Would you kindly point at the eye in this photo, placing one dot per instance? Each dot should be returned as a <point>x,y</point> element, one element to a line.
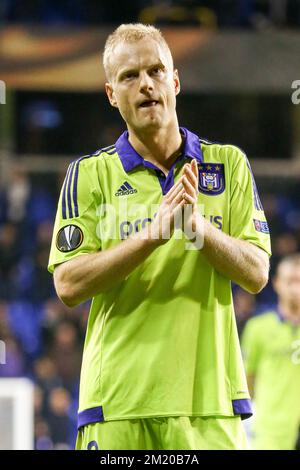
<point>156,71</point>
<point>129,75</point>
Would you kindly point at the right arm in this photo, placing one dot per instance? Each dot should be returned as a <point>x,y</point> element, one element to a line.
<point>87,275</point>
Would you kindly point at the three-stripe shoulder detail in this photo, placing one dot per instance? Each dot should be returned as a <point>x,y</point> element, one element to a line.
<point>110,150</point>
<point>257,202</point>
<point>209,142</point>
<point>70,185</point>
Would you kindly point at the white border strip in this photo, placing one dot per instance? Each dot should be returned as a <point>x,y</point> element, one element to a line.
<point>21,392</point>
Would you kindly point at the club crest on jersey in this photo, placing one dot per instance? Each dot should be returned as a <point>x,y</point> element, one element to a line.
<point>211,178</point>
<point>69,238</point>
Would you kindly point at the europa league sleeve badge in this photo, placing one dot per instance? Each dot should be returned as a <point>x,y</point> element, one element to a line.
<point>69,238</point>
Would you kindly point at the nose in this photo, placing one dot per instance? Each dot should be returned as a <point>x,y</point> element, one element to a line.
<point>146,83</point>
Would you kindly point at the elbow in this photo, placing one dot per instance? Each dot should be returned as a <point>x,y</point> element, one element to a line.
<point>69,301</point>
<point>260,281</point>
<point>65,294</point>
<point>64,290</point>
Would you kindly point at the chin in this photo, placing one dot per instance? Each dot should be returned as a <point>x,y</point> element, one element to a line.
<point>150,124</point>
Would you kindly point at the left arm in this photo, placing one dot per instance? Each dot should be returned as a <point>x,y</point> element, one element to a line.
<point>239,260</point>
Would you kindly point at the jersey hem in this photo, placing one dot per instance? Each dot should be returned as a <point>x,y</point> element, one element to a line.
<point>240,407</point>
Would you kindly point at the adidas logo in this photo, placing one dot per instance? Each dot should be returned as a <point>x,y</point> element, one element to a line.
<point>125,189</point>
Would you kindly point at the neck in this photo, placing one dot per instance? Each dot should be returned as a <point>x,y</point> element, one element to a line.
<point>289,311</point>
<point>161,147</point>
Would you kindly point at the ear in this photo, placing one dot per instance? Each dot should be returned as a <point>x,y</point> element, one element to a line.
<point>176,82</point>
<point>111,95</point>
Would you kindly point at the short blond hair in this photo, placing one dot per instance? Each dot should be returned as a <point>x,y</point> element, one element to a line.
<point>129,33</point>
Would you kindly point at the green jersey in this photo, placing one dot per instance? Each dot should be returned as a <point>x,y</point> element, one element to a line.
<point>271,349</point>
<point>163,342</point>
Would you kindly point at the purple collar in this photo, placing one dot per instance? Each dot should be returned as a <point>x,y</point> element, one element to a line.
<point>131,159</point>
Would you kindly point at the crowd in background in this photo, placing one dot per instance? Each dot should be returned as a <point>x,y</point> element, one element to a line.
<point>44,339</point>
<point>213,13</point>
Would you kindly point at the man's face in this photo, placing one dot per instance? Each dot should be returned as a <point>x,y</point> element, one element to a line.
<point>287,284</point>
<point>143,85</point>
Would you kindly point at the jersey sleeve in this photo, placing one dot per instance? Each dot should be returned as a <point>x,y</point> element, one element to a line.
<point>251,346</point>
<point>75,228</point>
<point>247,217</point>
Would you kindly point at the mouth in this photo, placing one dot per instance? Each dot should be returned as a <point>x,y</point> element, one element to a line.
<point>148,104</point>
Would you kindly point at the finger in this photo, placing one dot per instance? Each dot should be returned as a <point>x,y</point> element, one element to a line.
<point>192,177</point>
<point>185,166</point>
<point>174,194</point>
<point>189,187</point>
<point>174,190</point>
<point>177,199</point>
<point>189,199</point>
<point>194,167</point>
<point>178,208</point>
<point>175,185</point>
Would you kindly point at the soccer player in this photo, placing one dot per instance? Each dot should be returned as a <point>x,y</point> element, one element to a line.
<point>162,366</point>
<point>271,346</point>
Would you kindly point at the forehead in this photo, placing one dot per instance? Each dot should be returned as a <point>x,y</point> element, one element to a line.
<point>289,270</point>
<point>140,54</point>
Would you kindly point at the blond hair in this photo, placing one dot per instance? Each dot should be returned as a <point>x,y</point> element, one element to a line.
<point>130,33</point>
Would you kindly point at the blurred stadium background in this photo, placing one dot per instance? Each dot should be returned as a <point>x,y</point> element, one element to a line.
<point>237,61</point>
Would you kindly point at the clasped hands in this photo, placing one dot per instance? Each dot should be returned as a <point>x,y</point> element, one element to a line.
<point>179,208</point>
